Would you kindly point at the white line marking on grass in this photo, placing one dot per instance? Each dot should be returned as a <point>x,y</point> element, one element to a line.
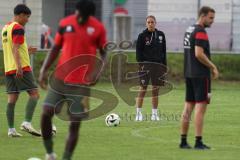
<point>228,146</point>
<point>138,133</point>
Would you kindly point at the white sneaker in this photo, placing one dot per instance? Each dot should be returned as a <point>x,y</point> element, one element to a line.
<point>155,117</point>
<point>51,156</point>
<point>54,130</point>
<point>139,116</point>
<point>13,133</point>
<point>27,127</point>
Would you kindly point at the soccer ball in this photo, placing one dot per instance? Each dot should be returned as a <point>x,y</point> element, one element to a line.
<point>112,120</point>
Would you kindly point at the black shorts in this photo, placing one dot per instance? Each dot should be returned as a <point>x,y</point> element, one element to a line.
<point>16,85</point>
<point>60,92</point>
<point>151,71</point>
<point>54,98</point>
<point>198,90</point>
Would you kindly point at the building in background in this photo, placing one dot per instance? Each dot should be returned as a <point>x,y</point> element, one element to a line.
<point>236,25</point>
<point>134,13</point>
<point>124,19</point>
<point>33,28</point>
<point>175,16</point>
<point>121,18</point>
<point>54,10</point>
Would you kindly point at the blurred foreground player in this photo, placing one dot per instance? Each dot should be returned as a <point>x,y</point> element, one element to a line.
<point>78,35</point>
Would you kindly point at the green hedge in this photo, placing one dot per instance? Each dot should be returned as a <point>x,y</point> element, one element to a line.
<point>38,59</point>
<point>228,64</point>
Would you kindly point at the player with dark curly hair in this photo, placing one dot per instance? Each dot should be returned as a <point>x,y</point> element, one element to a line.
<point>79,36</point>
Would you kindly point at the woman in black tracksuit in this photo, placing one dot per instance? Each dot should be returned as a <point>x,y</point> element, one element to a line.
<point>151,55</point>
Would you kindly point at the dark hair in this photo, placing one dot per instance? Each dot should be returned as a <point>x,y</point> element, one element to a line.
<point>151,16</point>
<point>22,8</point>
<point>85,8</point>
<point>205,10</point>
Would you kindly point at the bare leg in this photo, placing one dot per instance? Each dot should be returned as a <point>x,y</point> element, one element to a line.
<point>199,121</point>
<point>46,127</point>
<point>72,139</point>
<point>199,118</point>
<point>155,92</point>
<point>13,97</point>
<point>185,121</point>
<point>140,97</point>
<point>34,94</point>
<point>186,117</point>
<point>139,103</point>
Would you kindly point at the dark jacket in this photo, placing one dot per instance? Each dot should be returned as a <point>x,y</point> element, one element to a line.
<point>151,47</point>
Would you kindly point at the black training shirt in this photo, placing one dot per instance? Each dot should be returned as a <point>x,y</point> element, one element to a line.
<point>195,35</point>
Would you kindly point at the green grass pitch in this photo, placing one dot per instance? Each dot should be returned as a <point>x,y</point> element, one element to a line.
<point>136,141</point>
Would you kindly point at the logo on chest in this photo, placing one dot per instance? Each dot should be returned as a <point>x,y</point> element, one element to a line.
<point>147,41</point>
<point>160,39</point>
<point>90,30</point>
<point>69,29</point>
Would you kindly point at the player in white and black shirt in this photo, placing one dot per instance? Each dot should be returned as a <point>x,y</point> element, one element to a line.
<point>197,69</point>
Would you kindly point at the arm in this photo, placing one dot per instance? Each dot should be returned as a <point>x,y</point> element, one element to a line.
<point>101,45</point>
<point>19,72</point>
<point>32,50</point>
<point>103,55</point>
<point>94,76</point>
<point>50,58</point>
<point>99,67</point>
<point>199,53</point>
<point>18,39</point>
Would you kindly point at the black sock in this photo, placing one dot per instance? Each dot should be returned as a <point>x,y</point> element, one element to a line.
<point>198,139</point>
<point>183,139</point>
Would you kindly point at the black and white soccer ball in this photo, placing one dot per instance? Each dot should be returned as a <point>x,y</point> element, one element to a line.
<point>112,120</point>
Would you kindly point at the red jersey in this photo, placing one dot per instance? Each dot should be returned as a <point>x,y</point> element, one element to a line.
<point>79,45</point>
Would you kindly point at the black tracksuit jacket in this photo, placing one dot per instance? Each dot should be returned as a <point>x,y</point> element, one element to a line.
<point>151,47</point>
